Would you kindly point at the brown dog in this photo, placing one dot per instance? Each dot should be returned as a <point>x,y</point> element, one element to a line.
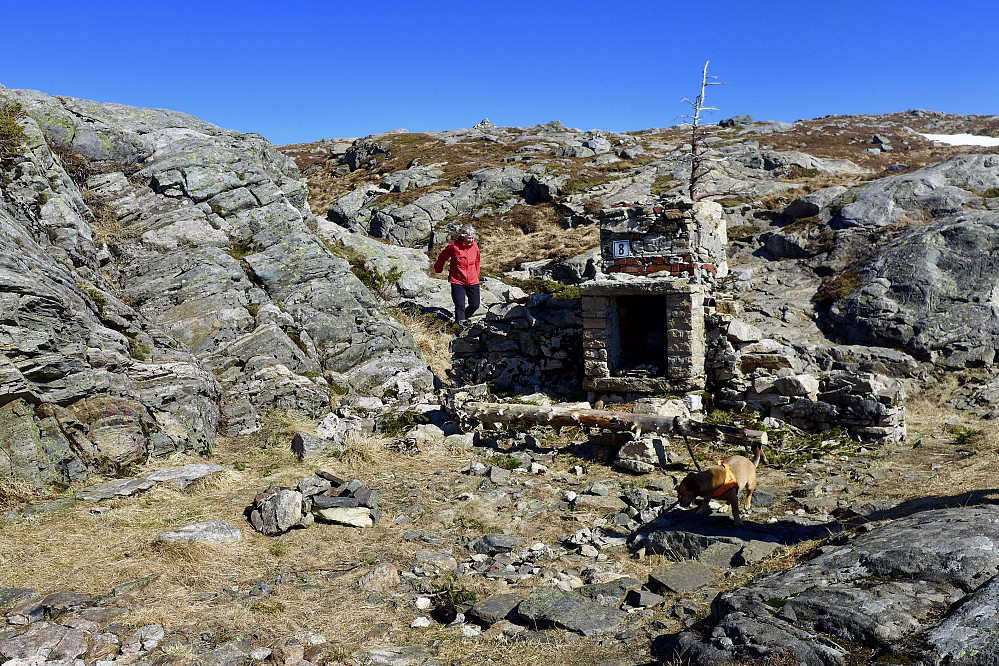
<point>722,482</point>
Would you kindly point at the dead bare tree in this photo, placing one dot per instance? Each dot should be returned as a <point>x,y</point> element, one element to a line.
<point>699,166</point>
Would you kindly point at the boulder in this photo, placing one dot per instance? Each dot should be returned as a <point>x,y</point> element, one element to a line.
<point>208,531</point>
<point>643,455</point>
<point>276,510</point>
<point>798,385</point>
<point>305,445</point>
<point>928,292</point>
<point>883,587</point>
<point>813,203</point>
<point>383,578</point>
<point>741,332</point>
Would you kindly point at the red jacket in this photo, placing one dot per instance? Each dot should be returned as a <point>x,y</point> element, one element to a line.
<point>465,260</point>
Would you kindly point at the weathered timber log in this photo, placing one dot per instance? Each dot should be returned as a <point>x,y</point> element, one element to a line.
<point>493,412</point>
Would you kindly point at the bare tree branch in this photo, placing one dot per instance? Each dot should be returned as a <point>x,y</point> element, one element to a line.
<point>698,168</point>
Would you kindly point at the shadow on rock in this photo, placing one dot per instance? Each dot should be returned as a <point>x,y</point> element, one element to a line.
<point>715,540</point>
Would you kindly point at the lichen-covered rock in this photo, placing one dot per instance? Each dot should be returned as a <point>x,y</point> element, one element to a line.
<point>876,591</point>
<point>86,381</point>
<point>929,293</point>
<point>130,301</point>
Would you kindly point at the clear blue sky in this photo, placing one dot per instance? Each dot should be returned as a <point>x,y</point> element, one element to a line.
<point>302,70</point>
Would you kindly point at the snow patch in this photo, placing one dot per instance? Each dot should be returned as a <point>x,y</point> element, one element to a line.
<point>962,139</point>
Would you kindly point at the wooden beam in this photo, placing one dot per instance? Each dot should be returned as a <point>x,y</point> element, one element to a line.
<point>494,412</point>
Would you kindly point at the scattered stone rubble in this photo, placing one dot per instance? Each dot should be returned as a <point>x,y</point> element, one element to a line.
<point>323,496</point>
<point>576,583</point>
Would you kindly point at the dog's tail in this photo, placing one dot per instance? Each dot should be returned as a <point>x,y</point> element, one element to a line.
<point>759,454</point>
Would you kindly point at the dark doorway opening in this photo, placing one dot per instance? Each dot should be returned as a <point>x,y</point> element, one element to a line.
<point>643,336</point>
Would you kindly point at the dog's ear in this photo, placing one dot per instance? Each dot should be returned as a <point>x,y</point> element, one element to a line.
<point>689,481</point>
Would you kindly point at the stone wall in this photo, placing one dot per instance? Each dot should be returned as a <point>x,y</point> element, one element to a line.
<point>523,347</point>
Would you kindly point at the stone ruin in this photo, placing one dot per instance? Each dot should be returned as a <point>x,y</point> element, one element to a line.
<point>643,317</point>
<point>650,324</point>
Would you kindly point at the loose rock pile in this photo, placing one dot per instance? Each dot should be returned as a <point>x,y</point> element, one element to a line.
<point>752,371</point>
<point>323,496</point>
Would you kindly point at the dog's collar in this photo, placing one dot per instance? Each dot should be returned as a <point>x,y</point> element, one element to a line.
<point>730,481</point>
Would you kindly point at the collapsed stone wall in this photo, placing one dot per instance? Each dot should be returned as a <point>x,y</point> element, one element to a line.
<point>747,370</point>
<point>523,347</point>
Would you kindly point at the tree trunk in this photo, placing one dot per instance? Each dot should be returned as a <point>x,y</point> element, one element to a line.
<point>491,412</point>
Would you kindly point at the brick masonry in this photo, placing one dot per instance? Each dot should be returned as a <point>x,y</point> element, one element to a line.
<point>676,238</point>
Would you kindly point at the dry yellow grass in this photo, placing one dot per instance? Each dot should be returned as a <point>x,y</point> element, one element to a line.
<point>433,338</point>
<point>506,246</point>
<point>15,492</point>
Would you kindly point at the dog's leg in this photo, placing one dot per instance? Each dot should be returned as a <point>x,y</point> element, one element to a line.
<point>704,508</point>
<point>734,503</point>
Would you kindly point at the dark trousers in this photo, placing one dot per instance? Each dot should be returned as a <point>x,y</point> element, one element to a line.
<point>459,292</point>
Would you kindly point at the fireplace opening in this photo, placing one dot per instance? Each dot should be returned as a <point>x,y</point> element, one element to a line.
<point>642,334</point>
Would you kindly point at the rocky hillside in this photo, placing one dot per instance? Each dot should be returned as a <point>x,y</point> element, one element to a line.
<point>164,279</point>
<point>167,290</point>
<point>853,238</point>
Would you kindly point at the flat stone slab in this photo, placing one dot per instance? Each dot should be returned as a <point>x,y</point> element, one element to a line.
<point>49,506</point>
<point>682,576</point>
<point>490,544</point>
<point>755,551</point>
<point>498,607</point>
<point>117,488</point>
<point>720,554</point>
<point>208,531</point>
<point>47,640</point>
<point>182,477</point>
<point>352,516</point>
<point>12,595</point>
<point>324,502</point>
<point>643,598</point>
<point>50,606</point>
<point>551,607</point>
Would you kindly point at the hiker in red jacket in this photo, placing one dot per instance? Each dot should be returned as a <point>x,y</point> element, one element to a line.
<point>463,274</point>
